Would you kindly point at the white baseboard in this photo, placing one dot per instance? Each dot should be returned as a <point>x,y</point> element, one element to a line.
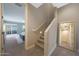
<point>52,50</point>
<point>31,46</point>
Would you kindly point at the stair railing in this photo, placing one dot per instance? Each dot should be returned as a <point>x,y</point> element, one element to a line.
<point>35,29</point>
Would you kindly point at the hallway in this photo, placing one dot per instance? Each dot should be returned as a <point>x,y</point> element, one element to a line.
<point>59,51</point>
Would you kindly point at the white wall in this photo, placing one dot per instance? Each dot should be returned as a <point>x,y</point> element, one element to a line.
<point>51,37</point>
<point>36,17</point>
<point>70,13</point>
<point>14,13</point>
<point>39,15</point>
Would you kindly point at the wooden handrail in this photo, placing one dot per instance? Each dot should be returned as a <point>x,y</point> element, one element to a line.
<point>38,27</point>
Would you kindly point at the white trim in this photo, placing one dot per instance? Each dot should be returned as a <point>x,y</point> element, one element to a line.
<point>50,25</point>
<point>52,50</point>
<point>16,21</point>
<point>35,29</point>
<point>53,23</point>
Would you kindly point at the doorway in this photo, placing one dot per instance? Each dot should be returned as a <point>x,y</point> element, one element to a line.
<point>13,27</point>
<point>67,35</point>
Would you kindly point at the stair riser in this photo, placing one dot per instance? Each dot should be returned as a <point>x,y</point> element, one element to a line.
<point>40,40</point>
<point>41,37</point>
<point>40,45</point>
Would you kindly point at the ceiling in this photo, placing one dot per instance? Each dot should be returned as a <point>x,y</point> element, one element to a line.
<point>13,12</point>
<point>37,5</point>
<point>58,5</point>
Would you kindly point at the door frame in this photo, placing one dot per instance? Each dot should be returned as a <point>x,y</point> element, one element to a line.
<point>3,49</point>
<point>74,36</point>
<point>2,34</point>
